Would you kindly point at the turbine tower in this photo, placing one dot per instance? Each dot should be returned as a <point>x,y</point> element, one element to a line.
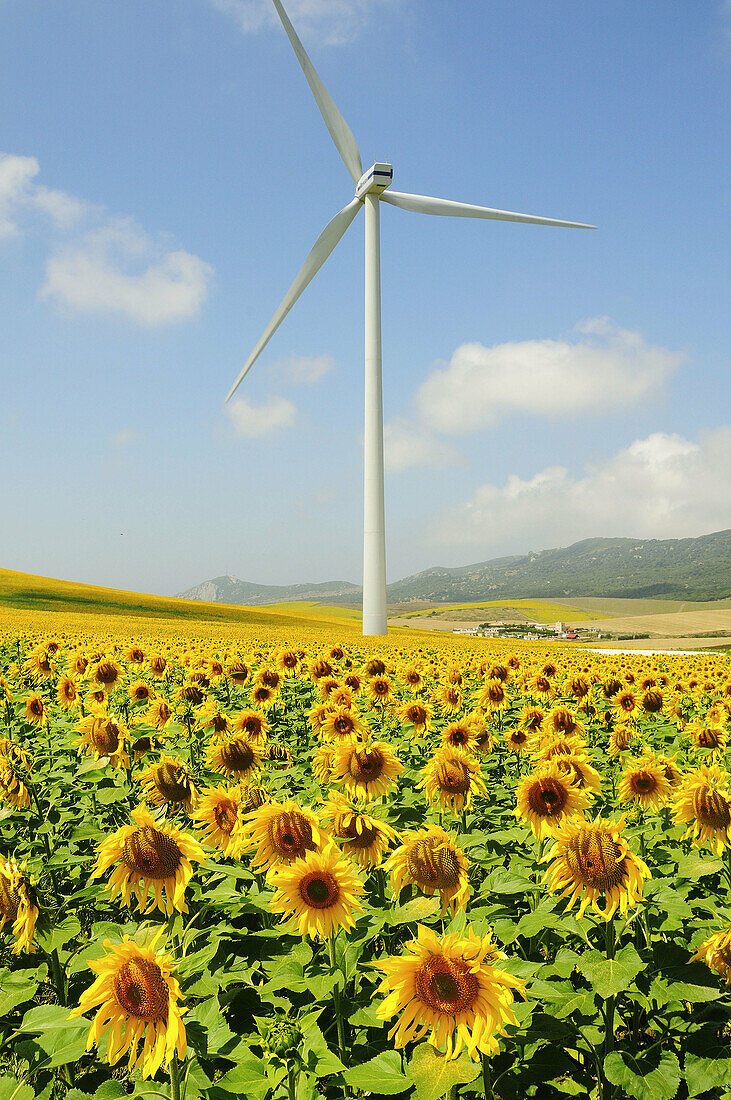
<point>371,188</point>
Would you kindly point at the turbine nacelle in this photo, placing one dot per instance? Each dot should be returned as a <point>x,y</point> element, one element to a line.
<point>375,180</point>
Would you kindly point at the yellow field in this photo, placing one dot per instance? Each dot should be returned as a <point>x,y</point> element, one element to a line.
<point>543,611</point>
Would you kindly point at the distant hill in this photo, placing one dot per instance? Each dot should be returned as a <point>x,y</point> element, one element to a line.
<point>232,590</point>
<point>679,569</point>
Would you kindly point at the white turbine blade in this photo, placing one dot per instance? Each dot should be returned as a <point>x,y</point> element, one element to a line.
<point>340,132</point>
<point>423,204</point>
<point>317,255</point>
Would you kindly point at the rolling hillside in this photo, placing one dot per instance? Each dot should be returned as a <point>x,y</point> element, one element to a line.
<point>671,569</point>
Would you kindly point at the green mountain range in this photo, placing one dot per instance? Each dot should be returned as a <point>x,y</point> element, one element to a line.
<point>684,569</point>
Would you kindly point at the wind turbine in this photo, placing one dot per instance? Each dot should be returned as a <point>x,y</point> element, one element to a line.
<point>371,188</point>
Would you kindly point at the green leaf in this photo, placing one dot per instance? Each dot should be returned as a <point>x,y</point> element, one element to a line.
<point>641,1078</point>
<point>434,1076</point>
<point>61,1040</point>
<point>248,1078</point>
<point>320,1059</point>
<point>16,989</point>
<point>10,1087</point>
<point>215,1031</point>
<point>697,865</point>
<point>664,992</point>
<point>417,909</point>
<point>59,935</point>
<point>704,1074</point>
<point>382,1075</point>
<point>109,1090</point>
<point>608,977</point>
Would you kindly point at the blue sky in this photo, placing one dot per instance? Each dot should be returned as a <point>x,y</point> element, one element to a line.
<point>163,173</point>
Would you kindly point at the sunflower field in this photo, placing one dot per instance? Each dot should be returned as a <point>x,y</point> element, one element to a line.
<point>292,865</point>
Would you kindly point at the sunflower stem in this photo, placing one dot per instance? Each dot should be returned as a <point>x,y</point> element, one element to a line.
<point>337,1002</point>
<point>486,1083</point>
<point>175,1078</point>
<point>292,1082</point>
<point>610,944</point>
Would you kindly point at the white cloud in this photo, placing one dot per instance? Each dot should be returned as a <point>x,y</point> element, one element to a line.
<point>306,369</point>
<point>605,369</point>
<point>118,269</point>
<point>21,198</point>
<point>663,486</point>
<point>97,263</point>
<point>408,445</point>
<point>253,421</point>
<point>330,22</point>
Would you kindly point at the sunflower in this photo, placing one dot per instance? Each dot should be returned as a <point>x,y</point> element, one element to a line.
<point>133,655</point>
<point>67,695</point>
<point>460,735</point>
<point>366,769</point>
<point>644,782</point>
<point>672,772</point>
<point>105,674</point>
<point>430,860</point>
<point>715,952</point>
<point>158,714</point>
<point>532,719</point>
<point>452,986</point>
<point>39,664</point>
<point>169,782</point>
<point>17,906</point>
<point>449,699</point>
<point>144,744</point>
<point>149,856</point>
<point>414,680</point>
<point>279,832</point>
<point>210,715</point>
<point>707,735</point>
<point>625,701</point>
<point>453,777</point>
<point>541,686</point>
<point>547,798</point>
<point>287,661</point>
<point>141,692</point>
<point>102,735</point>
<point>238,672</point>
<point>620,738</point>
<point>591,858</point>
<point>492,696</point>
<point>252,725</point>
<point>363,838</point>
<point>137,998</point>
<point>342,723</point>
<point>379,690</point>
<point>263,696</point>
<point>318,893</point>
<point>652,701</point>
<point>219,815</point>
<point>15,753</point>
<point>419,715</point>
<point>269,677</point>
<point>582,772</point>
<point>35,710</point>
<point>341,698</point>
<point>327,686</point>
<point>12,787</point>
<point>322,763</point>
<point>158,665</point>
<point>235,756</point>
<point>704,800</point>
<point>353,683</point>
<point>518,739</point>
<point>562,722</point>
